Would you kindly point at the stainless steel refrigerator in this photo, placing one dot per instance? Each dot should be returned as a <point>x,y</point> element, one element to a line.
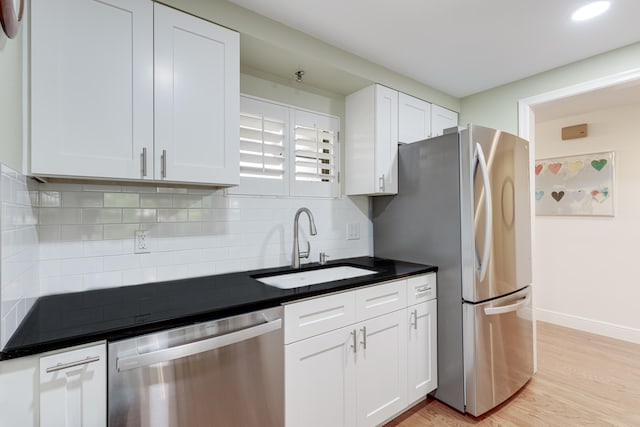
<point>463,204</point>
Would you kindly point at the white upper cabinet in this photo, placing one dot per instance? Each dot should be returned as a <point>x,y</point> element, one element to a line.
<point>91,87</point>
<point>95,112</point>
<point>197,101</point>
<point>372,141</point>
<point>414,119</point>
<point>441,119</point>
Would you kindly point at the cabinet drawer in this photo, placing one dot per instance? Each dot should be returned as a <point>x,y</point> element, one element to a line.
<point>312,317</point>
<point>421,288</point>
<point>381,299</point>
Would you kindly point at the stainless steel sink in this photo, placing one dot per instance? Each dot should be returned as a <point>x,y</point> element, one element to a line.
<point>313,277</point>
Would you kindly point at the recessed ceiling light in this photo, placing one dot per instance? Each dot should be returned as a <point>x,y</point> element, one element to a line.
<point>591,10</point>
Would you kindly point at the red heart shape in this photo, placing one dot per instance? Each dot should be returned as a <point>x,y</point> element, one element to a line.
<point>538,169</point>
<point>554,167</point>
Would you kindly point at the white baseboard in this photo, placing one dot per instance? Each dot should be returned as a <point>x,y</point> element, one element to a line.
<point>611,330</point>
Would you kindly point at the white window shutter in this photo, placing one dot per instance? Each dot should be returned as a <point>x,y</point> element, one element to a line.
<point>263,148</point>
<point>315,154</point>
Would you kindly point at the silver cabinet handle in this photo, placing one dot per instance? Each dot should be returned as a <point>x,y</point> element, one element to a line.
<point>491,311</point>
<point>364,337</point>
<point>413,319</point>
<point>143,161</point>
<point>163,164</point>
<point>167,354</point>
<point>488,212</point>
<point>61,366</point>
<point>354,345</point>
<point>423,289</point>
<point>381,183</point>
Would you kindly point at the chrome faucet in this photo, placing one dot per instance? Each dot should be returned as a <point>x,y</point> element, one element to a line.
<point>295,262</point>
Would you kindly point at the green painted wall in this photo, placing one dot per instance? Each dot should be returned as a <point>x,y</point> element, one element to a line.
<point>499,107</point>
<point>11,101</point>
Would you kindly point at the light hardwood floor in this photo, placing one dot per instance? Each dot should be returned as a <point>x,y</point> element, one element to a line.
<point>582,380</point>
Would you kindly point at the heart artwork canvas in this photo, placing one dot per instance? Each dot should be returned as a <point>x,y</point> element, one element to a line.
<point>575,185</point>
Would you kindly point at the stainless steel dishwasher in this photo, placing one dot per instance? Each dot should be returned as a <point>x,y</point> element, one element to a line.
<point>228,372</point>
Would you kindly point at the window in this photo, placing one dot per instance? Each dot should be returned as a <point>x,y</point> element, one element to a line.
<point>287,151</point>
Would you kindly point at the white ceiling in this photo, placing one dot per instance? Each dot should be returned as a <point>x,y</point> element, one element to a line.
<point>460,47</point>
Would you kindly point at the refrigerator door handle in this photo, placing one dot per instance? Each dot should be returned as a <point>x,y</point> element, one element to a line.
<point>490,311</point>
<point>488,211</point>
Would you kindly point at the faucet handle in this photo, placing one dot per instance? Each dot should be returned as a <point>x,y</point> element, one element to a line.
<point>307,252</point>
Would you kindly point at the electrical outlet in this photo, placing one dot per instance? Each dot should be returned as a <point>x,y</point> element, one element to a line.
<point>141,242</point>
<point>353,231</point>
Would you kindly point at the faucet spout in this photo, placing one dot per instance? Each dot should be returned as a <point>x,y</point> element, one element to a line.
<point>295,262</point>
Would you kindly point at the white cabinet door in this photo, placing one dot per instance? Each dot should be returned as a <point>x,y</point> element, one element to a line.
<point>19,392</point>
<point>441,119</point>
<point>371,143</point>
<point>73,388</point>
<point>386,146</point>
<point>197,99</point>
<point>422,350</point>
<point>381,368</point>
<point>414,119</point>
<point>320,383</point>
<point>91,87</point>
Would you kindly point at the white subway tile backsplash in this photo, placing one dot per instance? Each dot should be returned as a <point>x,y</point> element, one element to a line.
<point>49,233</point>
<point>139,215</point>
<point>156,201</point>
<point>101,216</point>
<point>60,250</point>
<point>106,247</point>
<point>123,262</point>
<point>84,265</point>
<point>50,199</point>
<point>60,216</point>
<point>85,199</point>
<point>120,231</point>
<point>201,215</point>
<point>121,200</point>
<point>107,279</point>
<point>173,215</point>
<point>81,232</point>
<point>141,275</point>
<point>187,201</point>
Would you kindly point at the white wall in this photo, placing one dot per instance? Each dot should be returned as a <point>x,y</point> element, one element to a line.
<point>586,267</point>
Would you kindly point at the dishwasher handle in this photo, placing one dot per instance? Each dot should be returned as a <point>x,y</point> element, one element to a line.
<point>167,354</point>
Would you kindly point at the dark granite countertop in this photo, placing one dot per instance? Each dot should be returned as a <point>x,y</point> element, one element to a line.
<point>59,321</point>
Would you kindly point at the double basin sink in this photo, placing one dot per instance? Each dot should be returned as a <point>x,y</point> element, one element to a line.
<point>313,277</point>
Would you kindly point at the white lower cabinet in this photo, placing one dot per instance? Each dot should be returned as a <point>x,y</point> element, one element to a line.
<point>73,388</point>
<point>359,365</point>
<point>381,368</point>
<point>320,384</point>
<point>422,350</point>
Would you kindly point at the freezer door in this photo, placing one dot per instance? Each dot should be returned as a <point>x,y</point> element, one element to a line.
<point>501,217</point>
<point>498,341</point>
